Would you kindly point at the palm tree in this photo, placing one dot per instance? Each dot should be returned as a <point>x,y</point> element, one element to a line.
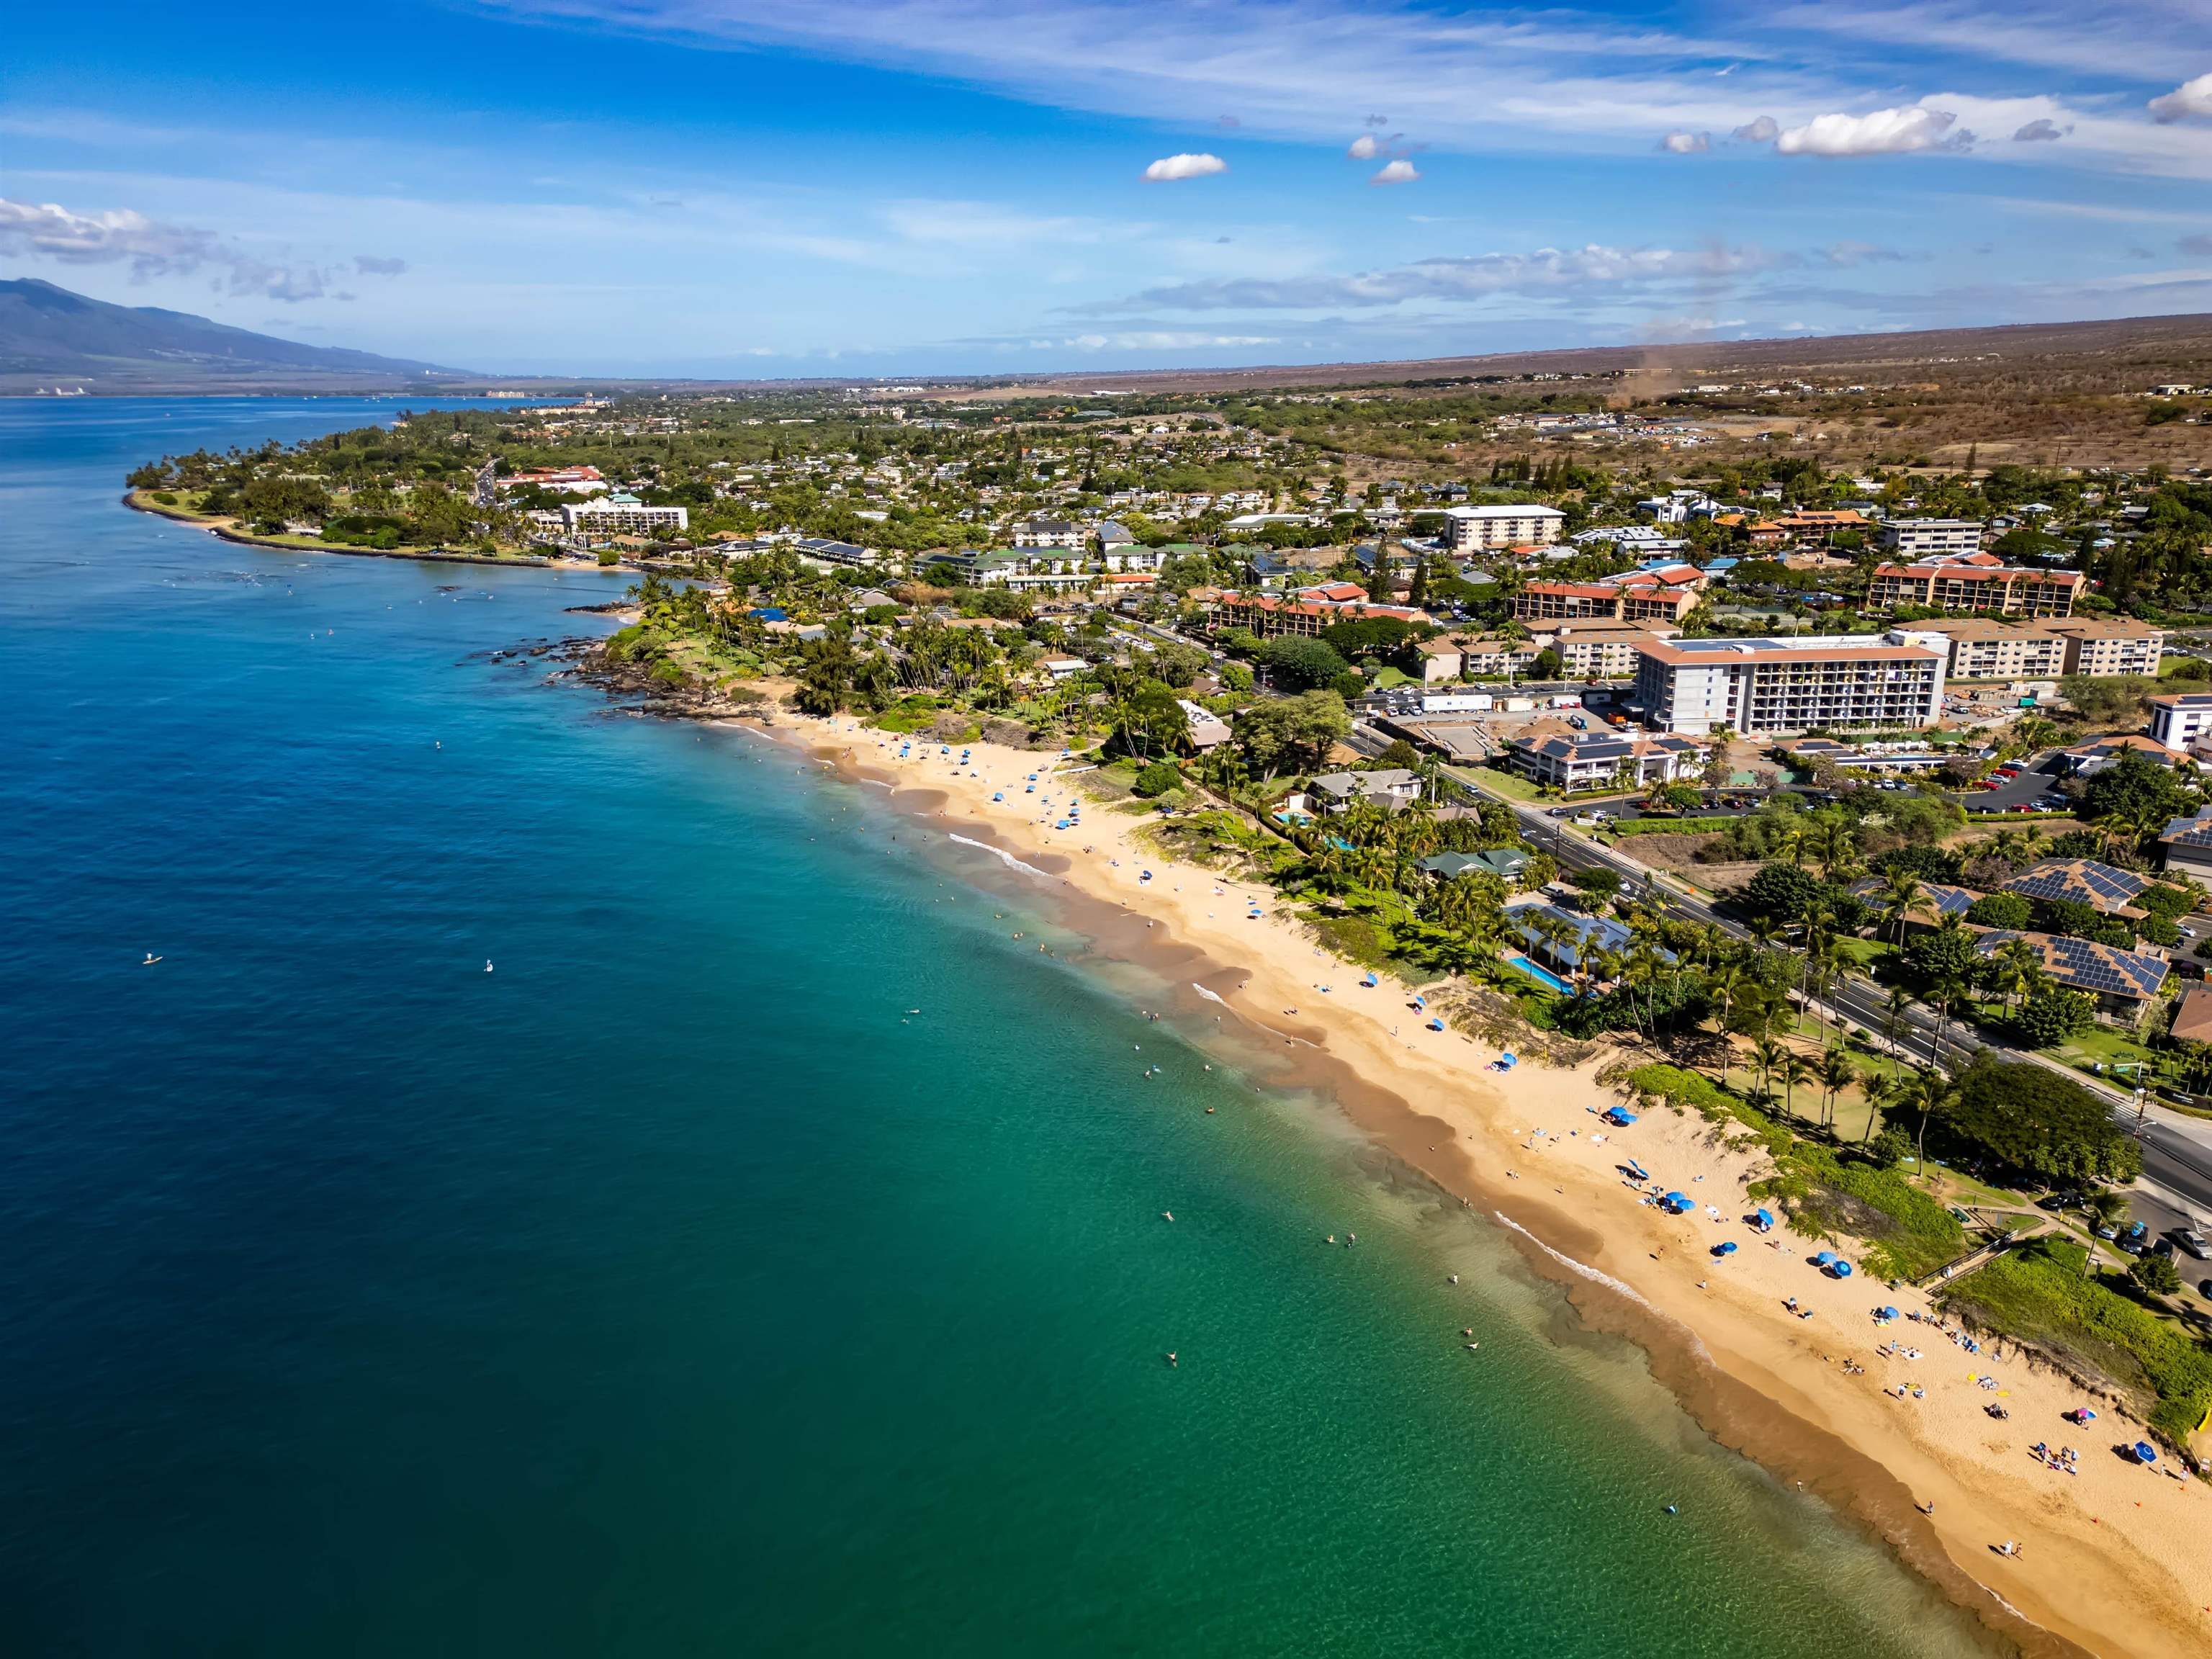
<point>1901,895</point>
<point>2106,1207</point>
<point>1931,1091</point>
<point>1795,1069</point>
<point>1881,1089</point>
<point>1836,1074</point>
<point>1766,1055</point>
<point>2019,969</point>
<point>1893,1007</point>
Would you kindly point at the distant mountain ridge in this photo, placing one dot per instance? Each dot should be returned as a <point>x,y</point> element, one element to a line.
<point>52,338</point>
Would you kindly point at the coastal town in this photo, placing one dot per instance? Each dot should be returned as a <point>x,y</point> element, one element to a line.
<point>1853,813</point>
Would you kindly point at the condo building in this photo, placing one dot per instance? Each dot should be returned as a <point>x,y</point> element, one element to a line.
<point>1974,581</point>
<point>1839,683</point>
<point>1476,529</point>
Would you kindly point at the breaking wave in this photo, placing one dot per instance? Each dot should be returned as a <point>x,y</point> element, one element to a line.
<point>1007,858</point>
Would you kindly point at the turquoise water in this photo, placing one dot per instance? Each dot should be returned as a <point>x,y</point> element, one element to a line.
<point>670,1289</point>
<point>1541,973</point>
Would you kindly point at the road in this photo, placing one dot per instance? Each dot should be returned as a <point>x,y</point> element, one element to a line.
<point>2177,1163</point>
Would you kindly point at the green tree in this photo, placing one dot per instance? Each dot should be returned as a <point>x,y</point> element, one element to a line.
<point>1291,733</point>
<point>1157,779</point>
<point>1300,665</point>
<point>2134,790</point>
<point>2156,1275</point>
<point>2027,1118</point>
<point>2050,1014</point>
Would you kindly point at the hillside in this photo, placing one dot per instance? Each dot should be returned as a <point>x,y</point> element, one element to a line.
<point>50,336</point>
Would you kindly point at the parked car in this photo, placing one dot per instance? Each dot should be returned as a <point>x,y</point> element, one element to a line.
<point>2193,1242</point>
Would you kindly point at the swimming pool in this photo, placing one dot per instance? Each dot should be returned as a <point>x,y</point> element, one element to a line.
<point>1542,975</point>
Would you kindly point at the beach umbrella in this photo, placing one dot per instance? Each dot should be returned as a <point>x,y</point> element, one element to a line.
<point>1436,1025</point>
<point>1763,1220</point>
<point>1673,1200</point>
<point>1843,1268</point>
<point>1638,1170</point>
<point>1823,1258</point>
<point>2145,1452</point>
<point>1889,1312</point>
<point>1727,1247</point>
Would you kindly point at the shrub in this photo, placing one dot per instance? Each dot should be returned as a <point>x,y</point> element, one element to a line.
<point>2006,910</point>
<point>2156,1275</point>
<point>2050,1014</point>
<point>1157,779</point>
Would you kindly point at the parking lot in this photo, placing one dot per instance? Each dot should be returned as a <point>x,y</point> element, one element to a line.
<point>2024,793</point>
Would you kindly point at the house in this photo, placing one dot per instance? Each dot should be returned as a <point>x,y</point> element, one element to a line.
<point>1937,899</point>
<point>2187,844</point>
<point>1582,936</point>
<point>1569,760</point>
<point>2120,980</point>
<point>1112,534</point>
<point>1391,788</point>
<point>2086,759</point>
<point>2081,881</point>
<point>1206,729</point>
<point>1063,668</point>
<point>1505,862</point>
<point>2193,1016</point>
<point>2177,721</point>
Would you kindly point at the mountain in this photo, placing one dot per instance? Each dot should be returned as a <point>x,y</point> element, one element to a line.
<point>50,336</point>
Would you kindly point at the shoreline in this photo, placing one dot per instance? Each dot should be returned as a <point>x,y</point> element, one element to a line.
<point>226,530</point>
<point>1767,1386</point>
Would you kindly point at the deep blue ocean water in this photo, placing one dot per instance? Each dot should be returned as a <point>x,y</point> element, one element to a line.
<point>668,1291</point>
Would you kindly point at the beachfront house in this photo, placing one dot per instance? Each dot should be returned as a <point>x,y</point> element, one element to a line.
<point>1505,862</point>
<point>1391,788</point>
<point>1564,940</point>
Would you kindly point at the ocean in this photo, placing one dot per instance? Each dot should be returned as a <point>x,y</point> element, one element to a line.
<point>518,1214</point>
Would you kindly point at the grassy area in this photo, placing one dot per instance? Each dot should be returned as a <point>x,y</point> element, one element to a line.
<point>1670,826</point>
<point>2102,1045</point>
<point>1511,784</point>
<point>2038,1294</point>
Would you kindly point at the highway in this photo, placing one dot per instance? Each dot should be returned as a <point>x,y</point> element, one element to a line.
<point>2171,1159</point>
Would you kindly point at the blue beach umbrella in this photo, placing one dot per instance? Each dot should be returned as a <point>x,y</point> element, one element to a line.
<point>1436,1025</point>
<point>2145,1452</point>
<point>1763,1220</point>
<point>1726,1247</point>
<point>1841,1268</point>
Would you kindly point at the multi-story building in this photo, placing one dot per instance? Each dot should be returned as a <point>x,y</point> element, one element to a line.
<point>2104,646</point>
<point>1472,529</point>
<point>1982,648</point>
<point>1605,650</point>
<point>622,514</point>
<point>1836,682</point>
<point>1049,532</point>
<point>1924,538</point>
<point>1637,597</point>
<point>1569,760</point>
<point>1974,581</point>
<point>2178,721</point>
<point>1266,615</point>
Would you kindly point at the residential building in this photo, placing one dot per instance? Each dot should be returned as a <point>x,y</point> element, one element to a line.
<point>1049,532</point>
<point>1063,668</point>
<point>1805,751</point>
<point>2177,722</point>
<point>1112,535</point>
<point>2120,980</point>
<point>1569,760</point>
<point>2105,647</point>
<point>1921,538</point>
<point>1819,529</point>
<point>1469,529</point>
<point>1586,936</point>
<point>623,514</point>
<point>1266,615</point>
<point>1795,684</point>
<point>2187,844</point>
<point>1976,581</point>
<point>1506,863</point>
<point>1605,650</point>
<point>1391,788</point>
<point>1206,729</point>
<point>1937,899</point>
<point>1494,658</point>
<point>833,552</point>
<point>2078,881</point>
<point>1637,596</point>
<point>1980,648</point>
<point>2193,1016</point>
<point>1440,658</point>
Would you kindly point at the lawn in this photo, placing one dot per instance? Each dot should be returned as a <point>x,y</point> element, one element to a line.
<point>1511,784</point>
<point>2102,1045</point>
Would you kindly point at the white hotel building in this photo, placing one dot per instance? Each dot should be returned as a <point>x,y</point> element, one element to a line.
<point>1480,529</point>
<point>1838,682</point>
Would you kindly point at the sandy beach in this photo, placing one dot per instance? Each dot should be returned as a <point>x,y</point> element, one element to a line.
<point>2114,1560</point>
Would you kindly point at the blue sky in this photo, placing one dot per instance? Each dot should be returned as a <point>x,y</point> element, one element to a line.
<point>765,187</point>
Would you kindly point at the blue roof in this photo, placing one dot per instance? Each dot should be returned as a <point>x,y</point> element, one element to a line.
<point>1591,932</point>
<point>2082,880</point>
<point>768,613</point>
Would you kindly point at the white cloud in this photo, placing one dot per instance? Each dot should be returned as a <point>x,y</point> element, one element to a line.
<point>1364,147</point>
<point>2190,98</point>
<point>1546,270</point>
<point>47,230</point>
<point>1882,132</point>
<point>1399,172</point>
<point>1169,168</point>
<point>1686,143</point>
<point>1760,130</point>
